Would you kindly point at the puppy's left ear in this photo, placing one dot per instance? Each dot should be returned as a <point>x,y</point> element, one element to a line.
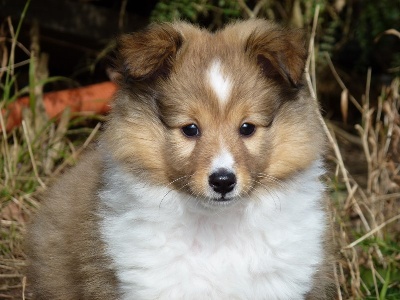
<point>148,53</point>
<point>280,53</point>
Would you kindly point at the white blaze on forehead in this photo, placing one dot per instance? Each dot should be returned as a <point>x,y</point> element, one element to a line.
<point>220,83</point>
<point>224,160</point>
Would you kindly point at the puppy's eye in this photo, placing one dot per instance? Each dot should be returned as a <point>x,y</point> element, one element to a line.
<point>247,129</point>
<point>191,130</point>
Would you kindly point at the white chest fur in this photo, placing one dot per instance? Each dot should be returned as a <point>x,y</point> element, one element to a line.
<point>165,246</point>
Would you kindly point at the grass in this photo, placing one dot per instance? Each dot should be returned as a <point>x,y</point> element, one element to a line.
<point>367,211</point>
<point>30,156</point>
<point>364,207</point>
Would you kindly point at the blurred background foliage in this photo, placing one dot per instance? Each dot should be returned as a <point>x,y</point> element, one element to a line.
<point>348,29</point>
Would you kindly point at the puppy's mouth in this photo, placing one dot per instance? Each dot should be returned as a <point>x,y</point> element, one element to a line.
<point>222,201</point>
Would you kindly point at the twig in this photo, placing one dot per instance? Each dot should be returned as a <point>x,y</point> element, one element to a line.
<point>374,276</point>
<point>19,64</point>
<point>350,195</point>
<point>337,282</point>
<point>311,47</point>
<point>379,112</point>
<point>339,80</point>
<point>122,12</point>
<point>23,287</point>
<point>364,138</point>
<point>391,116</point>
<point>258,6</point>
<point>19,44</point>
<point>247,10</point>
<point>55,141</point>
<point>354,139</point>
<point>368,87</point>
<point>252,13</point>
<point>91,136</point>
<point>13,44</point>
<point>25,130</point>
<point>7,165</point>
<point>389,31</point>
<point>386,197</point>
<point>365,236</point>
<point>78,152</point>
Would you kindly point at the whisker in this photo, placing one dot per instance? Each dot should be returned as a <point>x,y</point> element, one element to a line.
<point>172,182</point>
<point>170,190</point>
<point>271,193</point>
<point>283,184</point>
<point>179,178</point>
<point>272,179</point>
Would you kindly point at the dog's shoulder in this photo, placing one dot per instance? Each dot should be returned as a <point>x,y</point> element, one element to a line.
<point>67,256</point>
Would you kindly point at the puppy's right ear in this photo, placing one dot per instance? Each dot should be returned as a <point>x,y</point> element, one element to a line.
<point>148,53</point>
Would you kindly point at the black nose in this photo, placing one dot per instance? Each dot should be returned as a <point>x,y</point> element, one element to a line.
<point>222,181</point>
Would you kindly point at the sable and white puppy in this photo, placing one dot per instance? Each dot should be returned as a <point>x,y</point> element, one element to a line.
<point>205,182</point>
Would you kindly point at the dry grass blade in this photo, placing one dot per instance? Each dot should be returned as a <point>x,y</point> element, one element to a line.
<point>75,155</point>
<point>341,83</point>
<point>31,154</point>
<point>344,105</point>
<point>376,229</point>
<point>251,14</point>
<point>23,287</point>
<point>388,32</point>
<point>56,141</point>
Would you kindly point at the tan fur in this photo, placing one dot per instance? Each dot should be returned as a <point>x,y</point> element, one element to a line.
<point>67,256</point>
<point>162,89</point>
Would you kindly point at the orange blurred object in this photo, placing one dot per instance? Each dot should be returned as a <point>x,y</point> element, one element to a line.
<point>91,99</point>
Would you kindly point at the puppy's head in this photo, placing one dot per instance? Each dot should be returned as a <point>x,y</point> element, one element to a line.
<point>216,115</point>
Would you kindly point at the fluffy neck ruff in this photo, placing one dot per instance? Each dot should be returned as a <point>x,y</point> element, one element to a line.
<point>166,245</point>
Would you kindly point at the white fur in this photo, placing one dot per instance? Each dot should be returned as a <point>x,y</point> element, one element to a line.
<point>224,160</point>
<point>219,82</point>
<point>168,245</point>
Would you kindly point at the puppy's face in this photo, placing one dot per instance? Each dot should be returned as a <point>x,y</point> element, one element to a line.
<point>218,115</point>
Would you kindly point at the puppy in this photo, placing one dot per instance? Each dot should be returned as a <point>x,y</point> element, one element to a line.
<point>205,182</point>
